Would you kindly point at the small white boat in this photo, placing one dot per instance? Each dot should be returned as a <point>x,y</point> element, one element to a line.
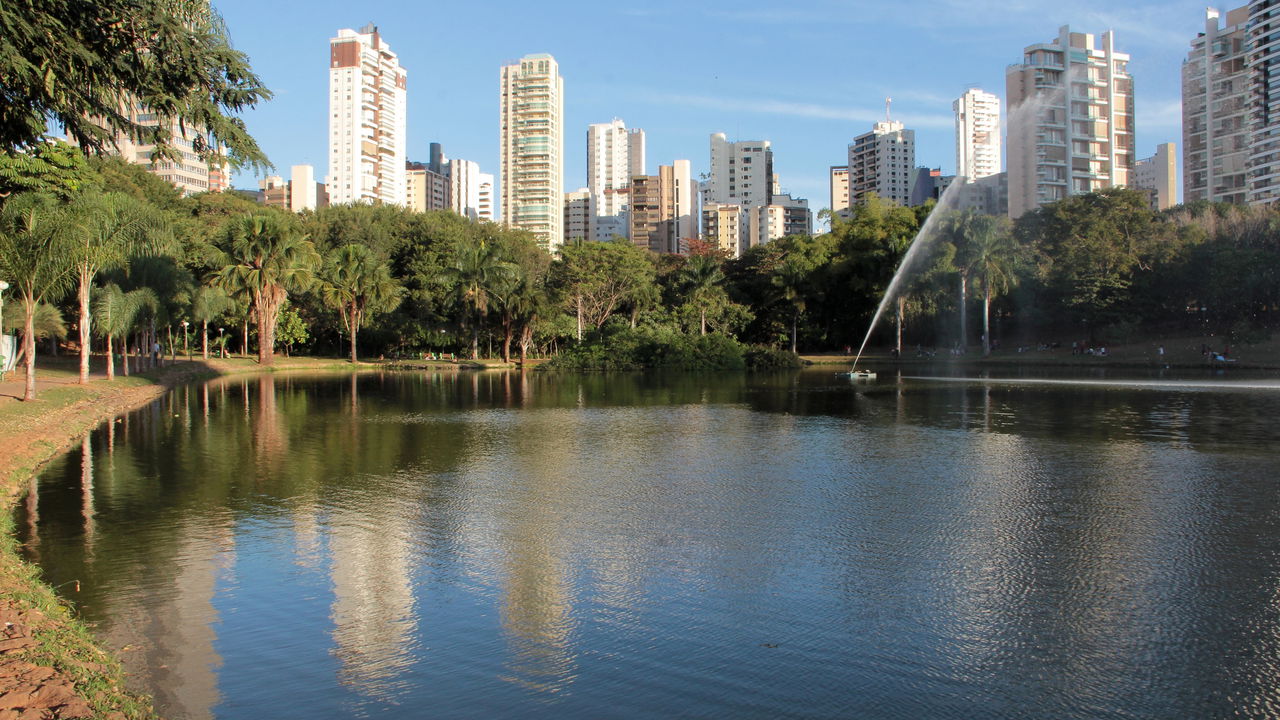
<point>858,375</point>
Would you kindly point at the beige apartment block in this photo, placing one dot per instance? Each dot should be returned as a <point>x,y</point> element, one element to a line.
<point>577,215</point>
<point>722,226</point>
<point>367,120</point>
<point>663,215</point>
<point>425,189</point>
<point>1070,120</point>
<point>1157,176</point>
<point>531,126</point>
<point>188,172</point>
<point>839,180</point>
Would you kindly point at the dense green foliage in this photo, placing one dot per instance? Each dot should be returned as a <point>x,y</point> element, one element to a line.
<point>83,62</point>
<point>387,282</point>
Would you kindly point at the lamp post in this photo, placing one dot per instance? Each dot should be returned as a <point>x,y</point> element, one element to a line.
<point>185,349</point>
<point>221,348</point>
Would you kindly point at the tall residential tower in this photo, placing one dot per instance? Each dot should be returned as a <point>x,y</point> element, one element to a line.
<point>367,125</point>
<point>532,152</point>
<point>614,156</point>
<point>1070,120</point>
<point>977,134</point>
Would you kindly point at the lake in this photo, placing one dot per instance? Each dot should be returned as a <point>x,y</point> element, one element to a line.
<point>506,545</point>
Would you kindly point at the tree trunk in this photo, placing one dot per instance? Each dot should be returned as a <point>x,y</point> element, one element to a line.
<point>703,319</point>
<point>964,318</point>
<point>204,339</point>
<point>475,337</point>
<point>111,361</point>
<point>29,346</point>
<point>267,308</point>
<point>795,320</point>
<point>507,332</point>
<point>579,318</point>
<point>124,354</point>
<point>353,339</point>
<point>244,339</point>
<point>986,323</point>
<point>84,326</point>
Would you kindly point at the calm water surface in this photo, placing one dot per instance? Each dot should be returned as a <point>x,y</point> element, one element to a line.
<point>796,545</point>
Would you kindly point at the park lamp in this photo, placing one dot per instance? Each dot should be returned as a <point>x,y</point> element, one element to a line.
<point>3,286</point>
<point>185,350</point>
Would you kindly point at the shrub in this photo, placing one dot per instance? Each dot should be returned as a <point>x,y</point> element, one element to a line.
<point>762,357</point>
<point>653,347</point>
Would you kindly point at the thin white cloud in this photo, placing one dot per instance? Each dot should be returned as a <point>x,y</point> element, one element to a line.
<point>797,109</point>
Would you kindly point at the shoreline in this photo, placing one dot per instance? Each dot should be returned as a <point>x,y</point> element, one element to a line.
<point>51,665</point>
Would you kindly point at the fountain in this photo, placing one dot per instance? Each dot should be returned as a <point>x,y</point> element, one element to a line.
<point>925,236</point>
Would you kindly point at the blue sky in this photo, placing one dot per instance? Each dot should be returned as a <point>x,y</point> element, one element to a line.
<point>806,75</point>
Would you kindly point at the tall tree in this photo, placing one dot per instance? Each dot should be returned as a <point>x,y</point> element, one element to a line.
<point>105,230</point>
<point>993,259</point>
<point>358,285</point>
<point>115,313</point>
<point>701,277</point>
<point>36,260</point>
<point>269,259</point>
<point>471,275</point>
<point>596,278</point>
<point>206,305</point>
<point>82,63</point>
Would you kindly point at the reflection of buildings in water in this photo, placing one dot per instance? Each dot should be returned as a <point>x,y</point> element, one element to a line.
<point>373,614</point>
<point>168,631</point>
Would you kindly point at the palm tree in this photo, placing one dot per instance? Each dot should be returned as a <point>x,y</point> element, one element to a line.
<point>359,286</point>
<point>36,260</point>
<point>115,314</point>
<point>701,277</point>
<point>206,305</point>
<point>471,275</point>
<point>993,260</point>
<point>791,279</point>
<point>269,259</point>
<point>105,229</point>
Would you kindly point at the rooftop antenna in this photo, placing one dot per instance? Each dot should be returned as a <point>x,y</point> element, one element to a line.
<point>887,101</point>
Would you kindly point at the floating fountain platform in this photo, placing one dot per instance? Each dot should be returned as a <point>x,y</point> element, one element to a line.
<point>858,375</point>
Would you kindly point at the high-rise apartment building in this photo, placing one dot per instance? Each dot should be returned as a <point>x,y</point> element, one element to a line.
<point>464,187</point>
<point>1264,120</point>
<point>839,176</point>
<point>1157,177</point>
<point>367,119</point>
<point>785,216</point>
<point>614,156</point>
<point>532,153</point>
<point>882,162</point>
<point>1217,96</point>
<point>577,215</point>
<point>977,134</point>
<point>1070,121</point>
<point>426,189</point>
<point>664,215</point>
<point>722,227</point>
<point>188,171</point>
<point>741,172</point>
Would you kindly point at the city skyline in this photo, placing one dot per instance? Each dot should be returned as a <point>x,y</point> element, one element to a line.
<point>805,107</point>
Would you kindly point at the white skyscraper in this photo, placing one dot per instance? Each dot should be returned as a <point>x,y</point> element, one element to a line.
<point>741,172</point>
<point>367,127</point>
<point>532,153</point>
<point>464,187</point>
<point>977,134</point>
<point>614,155</point>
